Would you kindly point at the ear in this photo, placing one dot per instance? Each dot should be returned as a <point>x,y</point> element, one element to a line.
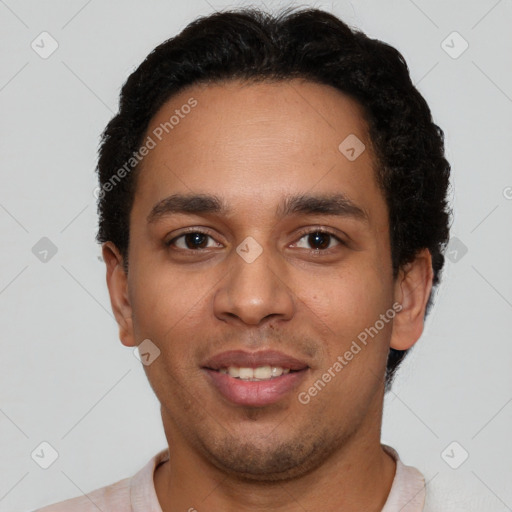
<point>117,283</point>
<point>412,290</point>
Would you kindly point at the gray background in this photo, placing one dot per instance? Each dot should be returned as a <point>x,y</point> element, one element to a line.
<point>67,380</point>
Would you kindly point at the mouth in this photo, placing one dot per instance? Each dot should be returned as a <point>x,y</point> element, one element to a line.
<point>254,379</point>
<point>255,374</point>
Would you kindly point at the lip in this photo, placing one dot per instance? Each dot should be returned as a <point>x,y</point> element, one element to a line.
<point>254,393</point>
<point>244,359</point>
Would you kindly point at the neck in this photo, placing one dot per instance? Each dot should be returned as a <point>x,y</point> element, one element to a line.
<point>358,476</point>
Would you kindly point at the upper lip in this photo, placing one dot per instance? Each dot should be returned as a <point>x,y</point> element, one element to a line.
<point>244,359</point>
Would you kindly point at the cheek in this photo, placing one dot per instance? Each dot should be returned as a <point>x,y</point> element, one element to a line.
<point>165,304</point>
<point>349,302</point>
<point>355,294</point>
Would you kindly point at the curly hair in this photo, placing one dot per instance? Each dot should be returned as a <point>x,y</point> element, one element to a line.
<point>251,45</point>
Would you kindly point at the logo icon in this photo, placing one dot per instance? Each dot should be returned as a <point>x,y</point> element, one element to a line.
<point>146,352</point>
<point>456,249</point>
<point>454,455</point>
<point>454,45</point>
<point>44,250</point>
<point>249,249</point>
<point>44,455</point>
<point>351,147</point>
<point>44,45</point>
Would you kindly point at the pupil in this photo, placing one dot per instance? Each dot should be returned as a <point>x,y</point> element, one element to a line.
<point>194,240</point>
<point>315,237</point>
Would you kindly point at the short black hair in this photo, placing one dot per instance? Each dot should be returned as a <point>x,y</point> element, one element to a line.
<point>249,44</point>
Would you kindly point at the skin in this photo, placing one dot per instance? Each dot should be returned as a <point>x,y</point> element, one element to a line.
<point>252,145</point>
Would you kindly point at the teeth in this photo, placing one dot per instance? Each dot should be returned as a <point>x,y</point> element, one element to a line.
<point>255,374</point>
<point>277,371</point>
<point>246,373</point>
<point>234,371</point>
<point>263,372</point>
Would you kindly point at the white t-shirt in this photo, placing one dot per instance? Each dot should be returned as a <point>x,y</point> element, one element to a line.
<point>137,493</point>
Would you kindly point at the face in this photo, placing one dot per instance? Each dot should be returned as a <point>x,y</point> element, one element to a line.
<point>255,290</point>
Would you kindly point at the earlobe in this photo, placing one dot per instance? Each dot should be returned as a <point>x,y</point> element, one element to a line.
<point>412,291</point>
<point>117,283</point>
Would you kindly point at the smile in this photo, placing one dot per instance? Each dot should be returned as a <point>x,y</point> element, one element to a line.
<point>254,379</point>
<point>255,374</point>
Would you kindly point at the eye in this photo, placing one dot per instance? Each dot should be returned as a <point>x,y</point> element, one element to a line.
<point>319,239</point>
<point>316,240</point>
<point>192,240</point>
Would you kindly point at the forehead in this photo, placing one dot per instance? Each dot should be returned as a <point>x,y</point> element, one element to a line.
<point>236,138</point>
<point>296,112</point>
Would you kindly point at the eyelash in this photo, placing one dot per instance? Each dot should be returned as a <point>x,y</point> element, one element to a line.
<point>301,234</point>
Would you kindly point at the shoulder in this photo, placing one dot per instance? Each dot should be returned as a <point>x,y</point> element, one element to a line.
<point>450,491</point>
<point>445,491</point>
<point>118,496</point>
<point>115,496</point>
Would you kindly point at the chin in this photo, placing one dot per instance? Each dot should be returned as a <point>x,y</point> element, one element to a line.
<point>270,462</point>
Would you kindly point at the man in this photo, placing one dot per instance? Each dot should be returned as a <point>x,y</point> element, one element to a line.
<point>273,214</point>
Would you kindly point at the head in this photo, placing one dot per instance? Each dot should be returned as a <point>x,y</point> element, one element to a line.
<point>239,127</point>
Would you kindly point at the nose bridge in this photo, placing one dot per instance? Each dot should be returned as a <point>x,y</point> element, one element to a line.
<point>254,289</point>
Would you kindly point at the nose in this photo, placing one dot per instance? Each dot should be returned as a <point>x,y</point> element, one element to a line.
<point>254,291</point>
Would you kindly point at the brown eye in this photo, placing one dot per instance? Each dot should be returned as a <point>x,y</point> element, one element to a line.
<point>319,240</point>
<point>194,240</point>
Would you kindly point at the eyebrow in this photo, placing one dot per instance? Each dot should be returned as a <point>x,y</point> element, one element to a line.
<point>305,204</point>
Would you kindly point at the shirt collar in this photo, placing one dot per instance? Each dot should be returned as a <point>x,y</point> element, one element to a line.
<point>407,492</point>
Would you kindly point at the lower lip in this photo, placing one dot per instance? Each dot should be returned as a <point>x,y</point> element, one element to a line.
<point>255,393</point>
